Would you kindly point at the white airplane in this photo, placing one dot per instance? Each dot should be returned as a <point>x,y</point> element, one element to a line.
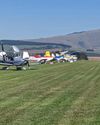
<point>38,59</point>
<point>65,57</point>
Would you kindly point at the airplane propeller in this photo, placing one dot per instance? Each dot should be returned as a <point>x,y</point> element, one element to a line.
<point>2,47</point>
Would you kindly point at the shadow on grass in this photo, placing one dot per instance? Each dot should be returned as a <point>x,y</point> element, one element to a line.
<point>14,69</point>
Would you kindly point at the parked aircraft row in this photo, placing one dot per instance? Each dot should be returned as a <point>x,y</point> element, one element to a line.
<point>48,56</point>
<point>20,62</point>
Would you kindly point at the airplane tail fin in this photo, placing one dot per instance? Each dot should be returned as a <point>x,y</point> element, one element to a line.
<point>25,55</point>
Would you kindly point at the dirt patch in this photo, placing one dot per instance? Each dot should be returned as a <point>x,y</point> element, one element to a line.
<point>94,58</point>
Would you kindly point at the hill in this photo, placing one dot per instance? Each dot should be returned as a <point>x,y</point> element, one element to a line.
<point>84,39</point>
<point>77,40</point>
<point>34,44</point>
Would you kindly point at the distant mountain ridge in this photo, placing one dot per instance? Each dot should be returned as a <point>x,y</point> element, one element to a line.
<point>83,40</point>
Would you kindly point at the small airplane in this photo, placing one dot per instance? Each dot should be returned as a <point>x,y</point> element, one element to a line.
<point>6,61</point>
<point>37,58</point>
<point>65,57</point>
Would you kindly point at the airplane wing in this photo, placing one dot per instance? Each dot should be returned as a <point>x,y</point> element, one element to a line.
<point>6,64</point>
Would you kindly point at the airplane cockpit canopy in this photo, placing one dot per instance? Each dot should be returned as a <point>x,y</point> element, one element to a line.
<point>12,51</point>
<point>15,49</point>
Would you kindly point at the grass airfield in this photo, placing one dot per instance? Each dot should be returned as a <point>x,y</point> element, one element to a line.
<point>58,94</point>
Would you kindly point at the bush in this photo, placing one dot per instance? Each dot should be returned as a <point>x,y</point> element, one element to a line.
<point>80,55</point>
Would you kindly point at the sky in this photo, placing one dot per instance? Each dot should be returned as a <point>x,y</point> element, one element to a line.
<point>31,19</point>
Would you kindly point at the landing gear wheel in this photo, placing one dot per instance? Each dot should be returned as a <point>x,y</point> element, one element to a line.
<point>62,60</point>
<point>43,61</point>
<point>18,68</point>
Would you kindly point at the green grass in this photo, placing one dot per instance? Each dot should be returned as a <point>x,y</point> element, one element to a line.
<point>59,94</point>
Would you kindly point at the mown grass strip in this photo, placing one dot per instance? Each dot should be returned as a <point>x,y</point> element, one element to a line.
<point>62,94</point>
